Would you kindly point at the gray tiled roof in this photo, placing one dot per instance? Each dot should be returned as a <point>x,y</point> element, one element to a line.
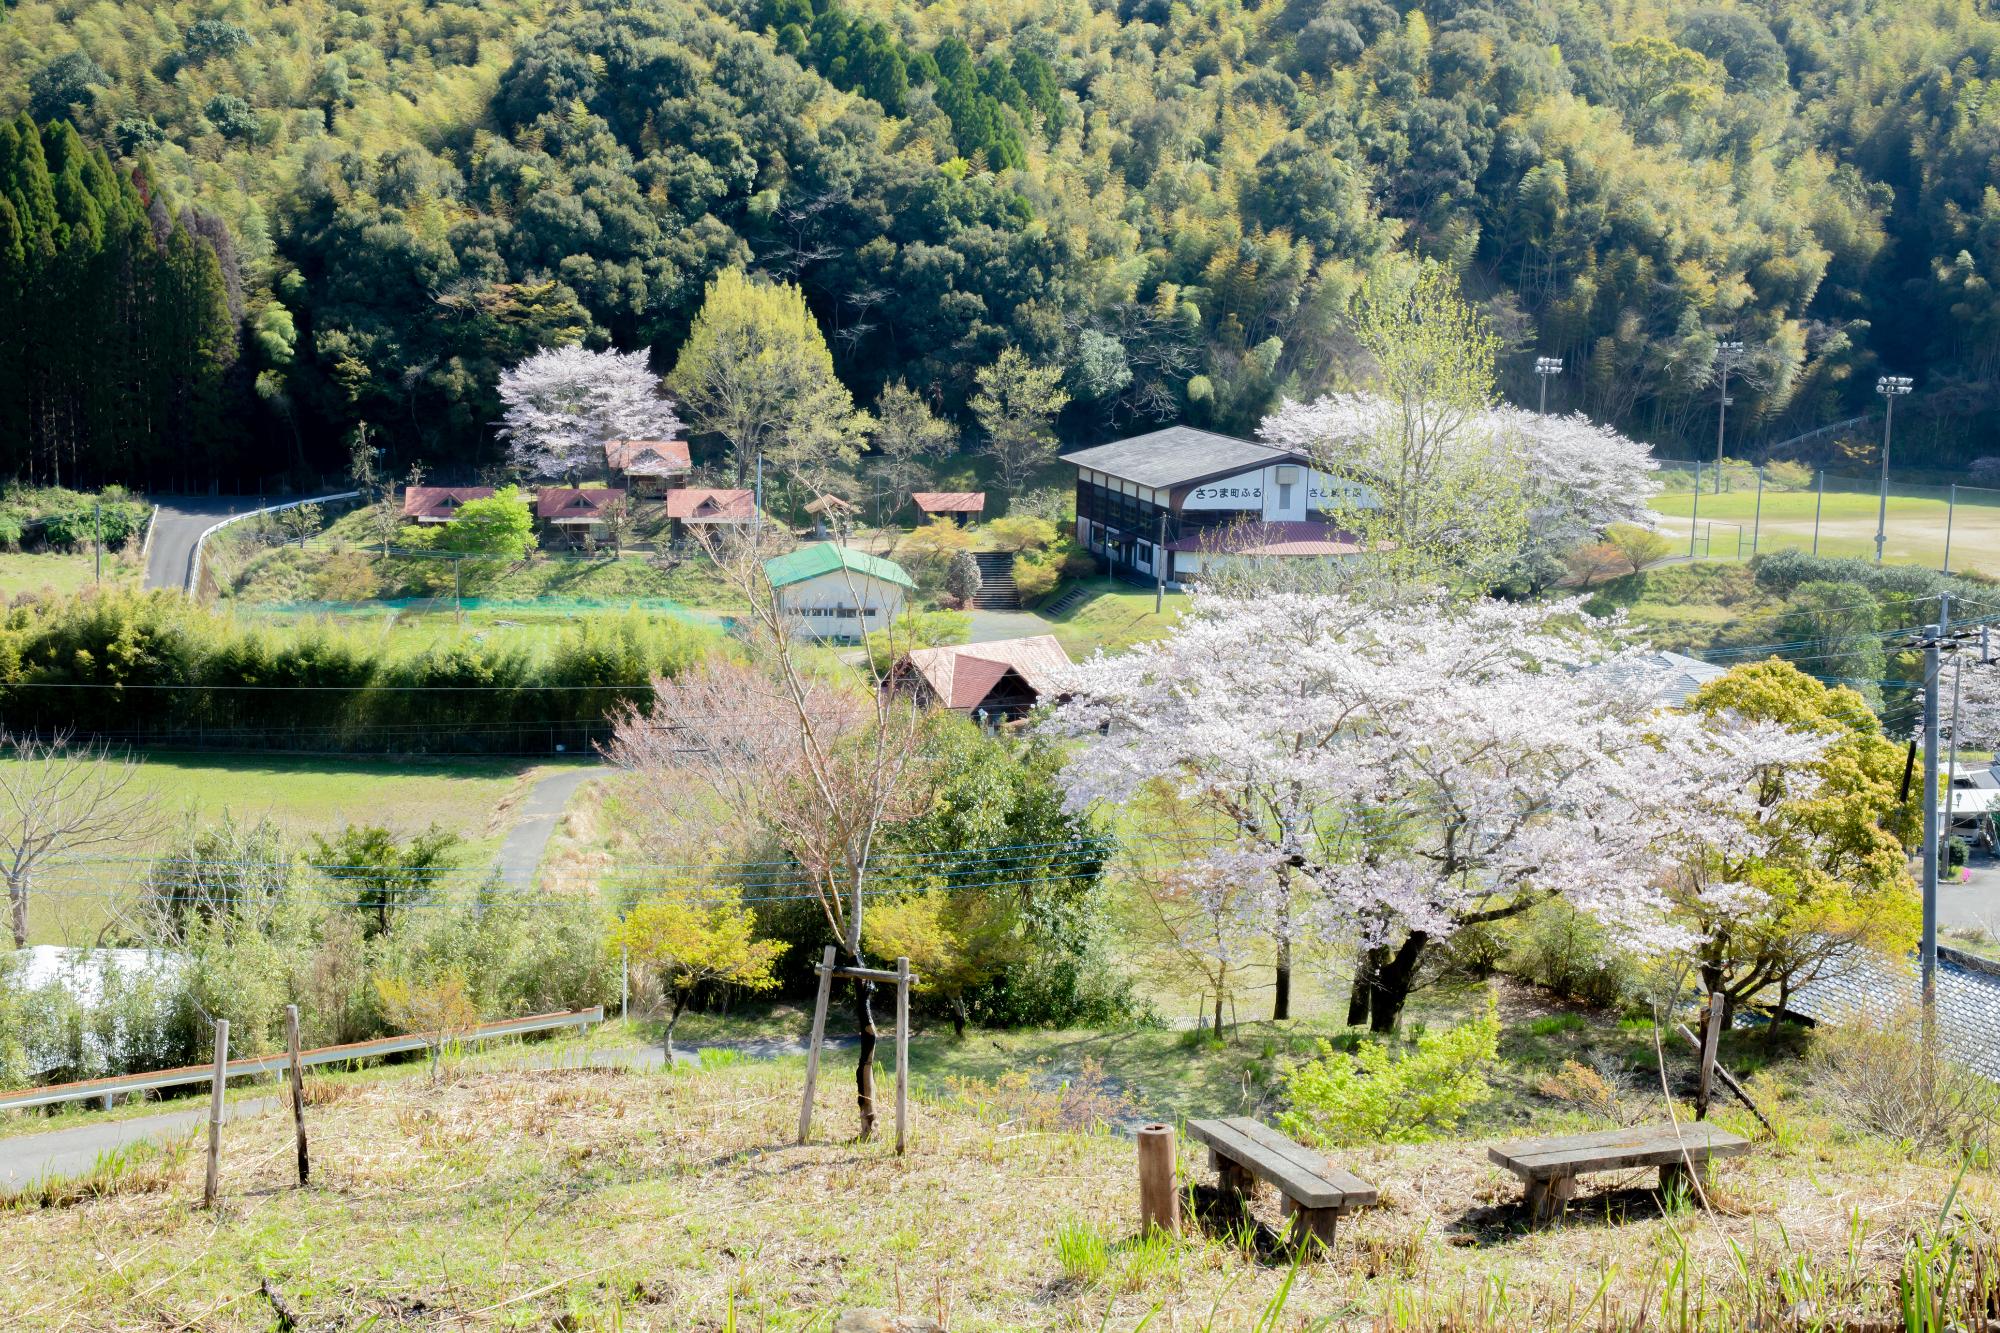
<point>1178,456</point>
<point>1864,987</point>
<point>1672,677</point>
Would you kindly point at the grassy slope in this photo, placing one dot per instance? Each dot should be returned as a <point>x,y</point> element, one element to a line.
<point>597,1200</point>
<point>1915,529</point>
<point>475,798</point>
<point>1117,616</point>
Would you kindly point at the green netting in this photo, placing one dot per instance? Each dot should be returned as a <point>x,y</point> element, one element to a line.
<point>448,605</point>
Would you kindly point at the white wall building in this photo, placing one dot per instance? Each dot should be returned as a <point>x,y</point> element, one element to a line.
<point>830,591</point>
<point>1183,501</point>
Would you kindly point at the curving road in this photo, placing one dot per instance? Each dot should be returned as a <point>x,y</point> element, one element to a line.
<point>181,522</point>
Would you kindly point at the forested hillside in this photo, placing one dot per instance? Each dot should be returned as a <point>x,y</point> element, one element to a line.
<point>1173,202</point>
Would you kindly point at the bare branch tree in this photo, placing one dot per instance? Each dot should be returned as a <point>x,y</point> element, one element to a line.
<point>823,764</point>
<point>57,798</point>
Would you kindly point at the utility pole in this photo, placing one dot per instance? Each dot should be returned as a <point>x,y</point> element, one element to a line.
<point>1934,643</point>
<point>98,507</point>
<point>1891,387</point>
<point>1160,566</point>
<point>1726,356</point>
<point>1547,367</point>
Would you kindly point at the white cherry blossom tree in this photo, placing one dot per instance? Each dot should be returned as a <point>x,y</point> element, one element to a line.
<point>1974,686</point>
<point>565,403</point>
<point>1392,774</point>
<point>1484,492</point>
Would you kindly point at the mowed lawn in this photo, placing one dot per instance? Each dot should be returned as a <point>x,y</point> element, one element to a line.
<point>477,799</point>
<point>1915,529</point>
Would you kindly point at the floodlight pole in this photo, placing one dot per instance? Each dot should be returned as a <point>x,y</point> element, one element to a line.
<point>1725,356</point>
<point>1546,368</point>
<point>1891,387</point>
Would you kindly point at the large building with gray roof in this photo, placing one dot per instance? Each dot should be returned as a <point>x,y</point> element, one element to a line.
<point>1174,503</point>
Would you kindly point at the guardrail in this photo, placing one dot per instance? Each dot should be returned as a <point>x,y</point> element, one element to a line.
<point>194,559</point>
<point>55,1093</point>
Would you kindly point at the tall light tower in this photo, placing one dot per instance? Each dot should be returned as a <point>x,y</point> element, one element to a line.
<point>1547,367</point>
<point>1891,387</point>
<point>1728,355</point>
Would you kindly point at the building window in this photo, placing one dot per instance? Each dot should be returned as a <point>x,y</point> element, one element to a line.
<point>1284,495</point>
<point>1145,554</point>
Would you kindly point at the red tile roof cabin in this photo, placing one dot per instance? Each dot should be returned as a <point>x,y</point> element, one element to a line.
<point>648,458</point>
<point>950,502</point>
<point>585,504</point>
<point>439,504</point>
<point>705,504</point>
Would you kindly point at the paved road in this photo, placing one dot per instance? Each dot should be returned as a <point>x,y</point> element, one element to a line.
<point>521,855</point>
<point>181,522</point>
<point>70,1152</point>
<point>1976,902</point>
<point>989,626</point>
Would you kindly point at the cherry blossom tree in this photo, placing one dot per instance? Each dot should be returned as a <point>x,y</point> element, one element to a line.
<point>565,403</point>
<point>1486,491</point>
<point>1974,686</point>
<point>1392,774</point>
<point>771,746</point>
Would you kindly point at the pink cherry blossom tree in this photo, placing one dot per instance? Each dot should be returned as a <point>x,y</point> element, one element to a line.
<point>1389,775</point>
<point>563,404</point>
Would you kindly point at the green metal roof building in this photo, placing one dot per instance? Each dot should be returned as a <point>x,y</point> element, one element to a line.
<point>810,562</point>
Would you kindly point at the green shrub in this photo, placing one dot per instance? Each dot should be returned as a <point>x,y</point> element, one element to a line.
<point>1020,532</point>
<point>350,689</point>
<point>1570,953</point>
<point>69,519</point>
<point>1035,578</point>
<point>1385,1094</point>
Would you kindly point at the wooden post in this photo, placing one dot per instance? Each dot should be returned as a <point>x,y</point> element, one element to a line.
<point>1159,1201</point>
<point>812,1047</point>
<point>1711,1040</point>
<point>902,1054</point>
<point>298,1090</point>
<point>217,1082</point>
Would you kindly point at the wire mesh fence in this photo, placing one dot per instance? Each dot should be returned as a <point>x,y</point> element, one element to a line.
<point>1742,510</point>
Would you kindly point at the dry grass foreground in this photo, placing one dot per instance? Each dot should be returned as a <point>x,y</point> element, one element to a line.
<point>582,1199</point>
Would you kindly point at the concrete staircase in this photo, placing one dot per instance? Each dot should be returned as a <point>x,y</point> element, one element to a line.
<point>996,582</point>
<point>1077,595</point>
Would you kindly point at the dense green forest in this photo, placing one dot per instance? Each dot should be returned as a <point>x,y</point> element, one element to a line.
<point>1173,201</point>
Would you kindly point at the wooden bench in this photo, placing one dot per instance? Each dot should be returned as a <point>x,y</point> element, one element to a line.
<point>1549,1167</point>
<point>1316,1192</point>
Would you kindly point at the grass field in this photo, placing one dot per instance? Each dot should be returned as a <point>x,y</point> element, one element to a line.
<point>474,798</point>
<point>1915,529</point>
<point>59,572</point>
<point>605,1200</point>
